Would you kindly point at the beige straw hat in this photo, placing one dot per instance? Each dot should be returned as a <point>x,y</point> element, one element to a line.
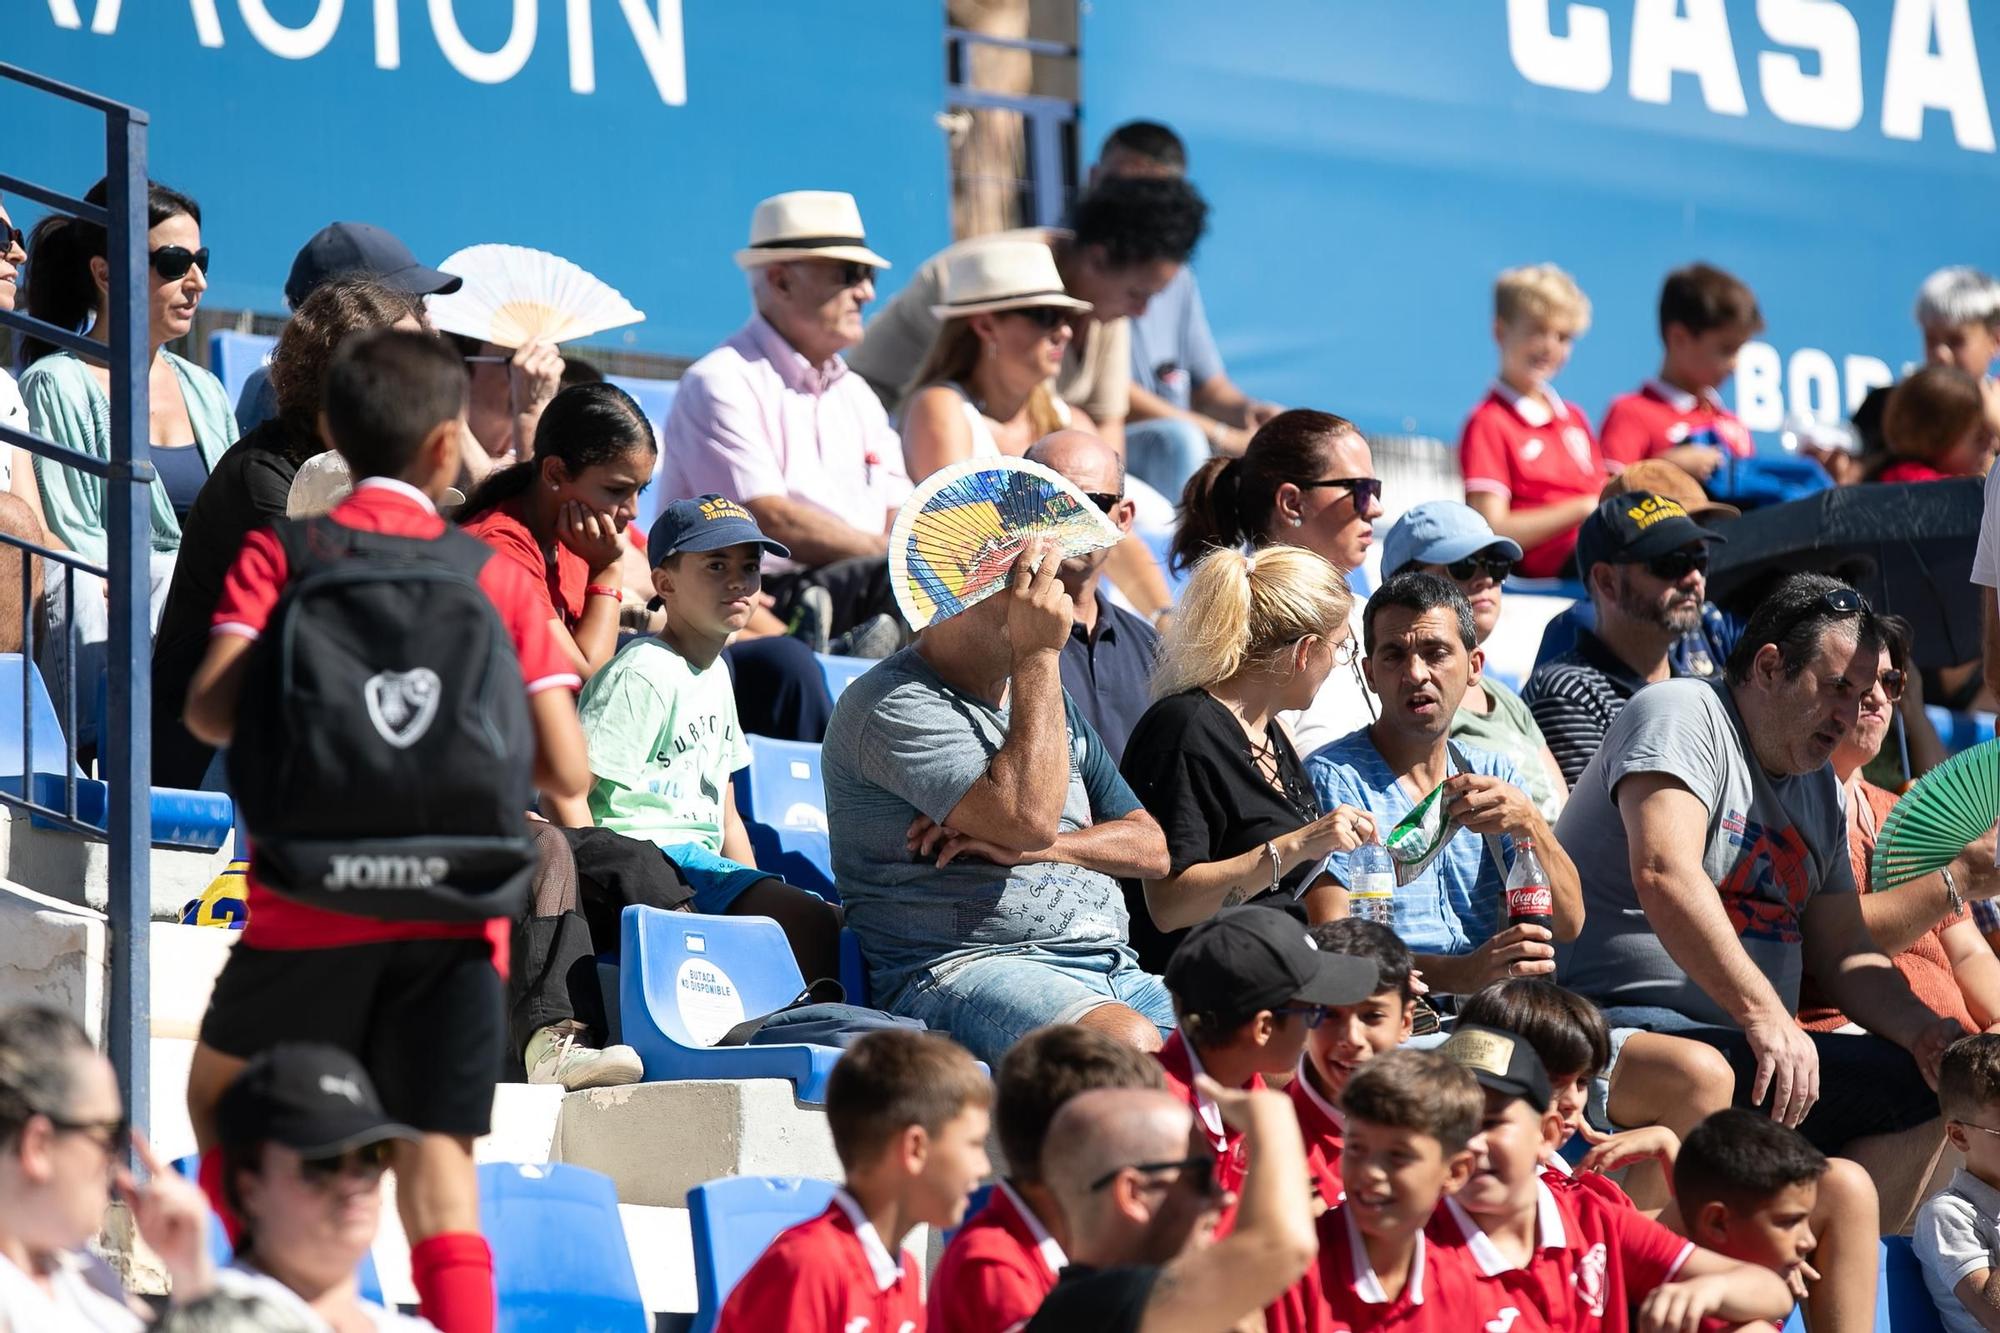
<point>1011,274</point>
<point>807,224</point>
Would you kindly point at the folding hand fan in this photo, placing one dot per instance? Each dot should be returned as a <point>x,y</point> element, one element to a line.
<point>1952,805</point>
<point>514,296</point>
<point>956,537</point>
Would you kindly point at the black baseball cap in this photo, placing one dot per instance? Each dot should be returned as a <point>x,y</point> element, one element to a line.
<point>343,248</point>
<point>707,524</point>
<point>1249,958</point>
<point>1502,1061</point>
<point>315,1099</point>
<point>1634,527</point>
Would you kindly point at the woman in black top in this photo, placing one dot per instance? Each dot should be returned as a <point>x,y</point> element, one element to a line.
<point>246,491</point>
<point>1254,636</point>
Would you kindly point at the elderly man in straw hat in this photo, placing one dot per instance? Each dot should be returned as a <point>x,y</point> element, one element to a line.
<point>773,419</point>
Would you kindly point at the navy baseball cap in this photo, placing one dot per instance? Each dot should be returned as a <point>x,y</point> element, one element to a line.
<point>341,249</point>
<point>1634,527</point>
<point>707,524</point>
<point>1438,532</point>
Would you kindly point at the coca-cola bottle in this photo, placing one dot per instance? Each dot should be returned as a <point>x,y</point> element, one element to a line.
<point>1530,900</point>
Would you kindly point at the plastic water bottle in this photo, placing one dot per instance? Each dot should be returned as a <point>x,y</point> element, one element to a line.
<point>1372,887</point>
<point>1530,900</point>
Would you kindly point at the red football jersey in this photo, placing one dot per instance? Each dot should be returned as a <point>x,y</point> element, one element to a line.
<point>1592,1261</point>
<point>1181,1064</point>
<point>996,1270</point>
<point>1324,1130</point>
<point>829,1275</point>
<point>1658,417</point>
<point>250,593</point>
<point>1534,454</point>
<point>564,583</point>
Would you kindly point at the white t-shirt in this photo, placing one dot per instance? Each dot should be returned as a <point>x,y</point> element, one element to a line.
<point>239,1280</point>
<point>1344,703</point>
<point>1986,558</point>
<point>84,1296</point>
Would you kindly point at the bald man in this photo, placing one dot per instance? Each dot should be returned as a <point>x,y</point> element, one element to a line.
<point>1107,665</point>
<point>1135,1178</point>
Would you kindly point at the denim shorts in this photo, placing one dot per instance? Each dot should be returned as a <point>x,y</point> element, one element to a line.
<point>717,881</point>
<point>990,998</point>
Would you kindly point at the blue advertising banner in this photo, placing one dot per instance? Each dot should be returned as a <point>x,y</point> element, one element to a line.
<point>1373,167</point>
<point>631,136</point>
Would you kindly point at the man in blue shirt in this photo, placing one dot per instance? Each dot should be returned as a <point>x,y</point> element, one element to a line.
<point>1422,653</point>
<point>1183,404</point>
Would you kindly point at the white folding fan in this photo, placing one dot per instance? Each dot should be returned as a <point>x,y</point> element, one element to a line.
<point>955,539</point>
<point>514,296</point>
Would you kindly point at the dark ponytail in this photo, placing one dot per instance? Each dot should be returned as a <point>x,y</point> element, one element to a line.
<point>1229,501</point>
<point>61,290</point>
<point>584,425</point>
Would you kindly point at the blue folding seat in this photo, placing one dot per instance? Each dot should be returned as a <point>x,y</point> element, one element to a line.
<point>685,979</point>
<point>800,857</point>
<point>854,970</point>
<point>656,400</point>
<point>733,1221</point>
<point>840,672</point>
<point>781,786</point>
<point>560,1261</point>
<point>235,357</point>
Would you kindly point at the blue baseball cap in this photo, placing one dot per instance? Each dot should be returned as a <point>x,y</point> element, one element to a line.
<point>1438,532</point>
<point>707,524</point>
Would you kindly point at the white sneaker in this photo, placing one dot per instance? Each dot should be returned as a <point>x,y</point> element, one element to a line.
<point>555,1055</point>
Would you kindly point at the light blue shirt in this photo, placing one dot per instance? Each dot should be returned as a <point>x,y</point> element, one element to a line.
<point>1453,907</point>
<point>1173,349</point>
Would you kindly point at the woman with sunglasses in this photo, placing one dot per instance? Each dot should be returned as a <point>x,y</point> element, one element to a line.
<point>69,398</point>
<point>1306,479</point>
<point>1256,636</point>
<point>305,1143</point>
<point>1452,540</point>
<point>63,1140</point>
<point>20,500</point>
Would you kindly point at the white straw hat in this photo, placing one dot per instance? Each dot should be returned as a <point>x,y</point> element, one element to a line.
<point>808,224</point>
<point>995,275</point>
<point>323,481</point>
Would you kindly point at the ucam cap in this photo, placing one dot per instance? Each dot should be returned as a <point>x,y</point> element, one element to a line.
<point>1635,527</point>
<point>1502,1061</point>
<point>707,524</point>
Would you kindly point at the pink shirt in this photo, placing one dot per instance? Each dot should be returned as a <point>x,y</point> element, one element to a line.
<point>753,419</point>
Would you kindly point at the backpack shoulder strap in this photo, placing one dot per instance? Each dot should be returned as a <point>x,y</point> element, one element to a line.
<point>311,544</point>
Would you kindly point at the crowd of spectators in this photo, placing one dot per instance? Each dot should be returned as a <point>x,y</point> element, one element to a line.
<point>1104,840</point>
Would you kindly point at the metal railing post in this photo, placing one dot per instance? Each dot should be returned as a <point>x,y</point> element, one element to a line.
<point>128,525</point>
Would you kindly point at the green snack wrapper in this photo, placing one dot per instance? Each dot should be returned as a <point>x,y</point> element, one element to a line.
<point>1419,836</point>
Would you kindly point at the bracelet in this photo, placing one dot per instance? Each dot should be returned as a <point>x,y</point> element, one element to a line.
<point>604,590</point>
<point>1951,897</point>
<point>1272,849</point>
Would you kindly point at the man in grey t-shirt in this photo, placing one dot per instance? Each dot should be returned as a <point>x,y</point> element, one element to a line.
<point>979,830</point>
<point>1710,841</point>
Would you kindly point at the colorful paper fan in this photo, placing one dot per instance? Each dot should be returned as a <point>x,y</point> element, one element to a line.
<point>1952,805</point>
<point>956,537</point>
<point>513,296</point>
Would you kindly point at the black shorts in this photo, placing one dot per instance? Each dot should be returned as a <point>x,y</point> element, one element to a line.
<point>426,1018</point>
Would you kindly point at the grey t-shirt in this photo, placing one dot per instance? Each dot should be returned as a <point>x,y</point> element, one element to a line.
<point>1957,1234</point>
<point>1173,349</point>
<point>1772,844</point>
<point>903,742</point>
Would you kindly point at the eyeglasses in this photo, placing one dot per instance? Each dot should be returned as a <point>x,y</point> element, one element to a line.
<point>366,1162</point>
<point>1893,682</point>
<point>1047,318</point>
<point>1345,652</point>
<point>1967,1124</point>
<point>1677,565</point>
<point>174,261</point>
<point>1366,490</point>
<point>113,1136</point>
<point>1313,1014</point>
<point>1495,567</point>
<point>1198,1173</point>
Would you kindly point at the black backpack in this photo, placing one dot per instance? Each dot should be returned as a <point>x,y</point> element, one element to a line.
<point>384,756</point>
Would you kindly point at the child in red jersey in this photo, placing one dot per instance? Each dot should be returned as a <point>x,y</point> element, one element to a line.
<point>1706,316</point>
<point>1005,1258</point>
<point>1348,1038</point>
<point>908,1111</point>
<point>419,1003</point>
<point>1578,1262</point>
<point>1531,468</point>
<point>1248,986</point>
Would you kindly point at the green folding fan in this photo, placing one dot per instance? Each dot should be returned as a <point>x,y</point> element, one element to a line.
<point>1952,805</point>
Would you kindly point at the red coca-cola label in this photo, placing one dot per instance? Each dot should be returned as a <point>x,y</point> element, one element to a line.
<point>1531,900</point>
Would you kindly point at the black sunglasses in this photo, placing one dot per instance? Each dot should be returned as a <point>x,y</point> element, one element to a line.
<point>1495,567</point>
<point>1198,1172</point>
<point>367,1160</point>
<point>1893,682</point>
<point>11,236</point>
<point>1677,565</point>
<point>1842,601</point>
<point>1047,318</point>
<point>173,261</point>
<point>851,272</point>
<point>1103,501</point>
<point>1366,490</point>
<point>113,1136</point>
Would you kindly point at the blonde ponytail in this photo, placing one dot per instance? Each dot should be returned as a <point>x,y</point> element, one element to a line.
<point>1240,611</point>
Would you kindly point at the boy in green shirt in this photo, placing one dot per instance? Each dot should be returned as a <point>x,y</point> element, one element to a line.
<point>660,720</point>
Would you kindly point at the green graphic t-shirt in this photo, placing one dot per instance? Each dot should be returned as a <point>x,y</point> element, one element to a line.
<point>663,742</point>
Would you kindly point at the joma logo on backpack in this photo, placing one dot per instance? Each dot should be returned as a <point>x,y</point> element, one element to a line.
<point>386,872</point>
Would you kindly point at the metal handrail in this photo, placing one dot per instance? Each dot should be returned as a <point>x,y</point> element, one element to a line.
<point>1045,117</point>
<point>1039,46</point>
<point>127,474</point>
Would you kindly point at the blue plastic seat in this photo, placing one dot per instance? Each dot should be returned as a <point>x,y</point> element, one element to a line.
<point>684,980</point>
<point>854,970</point>
<point>733,1221</point>
<point>840,672</point>
<point>235,357</point>
<point>781,786</point>
<point>560,1260</point>
<point>656,400</point>
<point>1902,1305</point>
<point>802,858</point>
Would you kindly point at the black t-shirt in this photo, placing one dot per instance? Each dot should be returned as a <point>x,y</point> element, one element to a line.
<point>246,491</point>
<point>1096,1300</point>
<point>1191,766</point>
